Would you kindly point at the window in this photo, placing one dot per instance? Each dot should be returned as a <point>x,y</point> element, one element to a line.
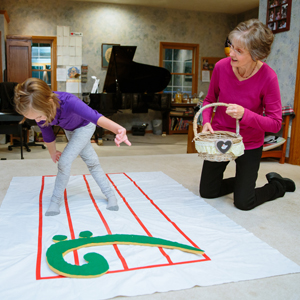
<point>182,62</point>
<point>43,60</point>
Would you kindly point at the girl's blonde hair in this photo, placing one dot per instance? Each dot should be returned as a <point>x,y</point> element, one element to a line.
<point>35,94</point>
<point>256,37</point>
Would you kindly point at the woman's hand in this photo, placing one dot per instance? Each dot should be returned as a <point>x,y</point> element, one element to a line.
<point>207,128</point>
<point>122,137</point>
<point>235,111</point>
<point>55,156</point>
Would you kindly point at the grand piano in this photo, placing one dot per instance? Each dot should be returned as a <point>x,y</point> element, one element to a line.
<point>132,85</point>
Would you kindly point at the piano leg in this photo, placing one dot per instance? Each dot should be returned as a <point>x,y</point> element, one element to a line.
<point>165,122</point>
<point>98,135</point>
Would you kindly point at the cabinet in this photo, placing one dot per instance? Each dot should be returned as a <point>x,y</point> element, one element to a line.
<point>18,55</point>
<point>190,143</point>
<point>180,116</point>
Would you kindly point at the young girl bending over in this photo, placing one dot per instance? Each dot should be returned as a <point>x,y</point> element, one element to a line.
<point>35,101</point>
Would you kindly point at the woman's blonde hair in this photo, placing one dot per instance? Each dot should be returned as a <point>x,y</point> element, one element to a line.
<point>35,94</point>
<point>255,36</point>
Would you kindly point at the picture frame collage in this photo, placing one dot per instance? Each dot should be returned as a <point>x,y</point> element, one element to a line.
<point>279,15</point>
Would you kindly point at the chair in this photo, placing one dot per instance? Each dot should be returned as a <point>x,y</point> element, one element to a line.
<point>28,124</point>
<point>7,106</point>
<point>10,124</point>
<point>280,153</point>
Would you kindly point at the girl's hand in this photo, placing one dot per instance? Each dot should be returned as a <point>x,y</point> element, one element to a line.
<point>122,137</point>
<point>55,156</point>
<point>207,128</point>
<point>235,111</point>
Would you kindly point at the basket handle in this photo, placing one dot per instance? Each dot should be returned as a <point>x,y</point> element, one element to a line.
<point>195,125</point>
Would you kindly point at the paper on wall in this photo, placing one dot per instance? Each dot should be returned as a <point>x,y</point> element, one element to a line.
<point>205,76</point>
<point>61,74</point>
<point>60,31</point>
<point>59,60</point>
<point>72,60</point>
<point>60,41</point>
<point>65,50</point>
<point>78,41</point>
<point>66,31</point>
<point>78,60</point>
<point>66,41</point>
<point>59,50</point>
<point>78,51</point>
<point>72,41</point>
<point>72,51</point>
<point>65,60</point>
<point>73,86</point>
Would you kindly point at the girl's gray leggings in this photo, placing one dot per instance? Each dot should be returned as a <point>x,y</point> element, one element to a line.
<point>79,143</point>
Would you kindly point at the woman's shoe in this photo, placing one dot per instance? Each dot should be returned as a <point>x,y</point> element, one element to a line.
<point>289,184</point>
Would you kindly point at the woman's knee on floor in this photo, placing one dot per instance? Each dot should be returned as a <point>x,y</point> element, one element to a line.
<point>242,204</point>
<point>208,194</point>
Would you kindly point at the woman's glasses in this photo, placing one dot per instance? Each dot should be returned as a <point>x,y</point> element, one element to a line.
<point>237,51</point>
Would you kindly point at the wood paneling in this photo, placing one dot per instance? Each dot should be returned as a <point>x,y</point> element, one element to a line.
<point>294,157</point>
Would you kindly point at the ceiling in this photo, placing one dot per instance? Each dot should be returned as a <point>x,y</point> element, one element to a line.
<point>219,6</point>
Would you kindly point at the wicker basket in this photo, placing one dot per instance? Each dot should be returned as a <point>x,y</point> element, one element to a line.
<point>219,146</point>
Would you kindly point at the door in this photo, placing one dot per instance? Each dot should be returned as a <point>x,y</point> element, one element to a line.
<point>18,52</point>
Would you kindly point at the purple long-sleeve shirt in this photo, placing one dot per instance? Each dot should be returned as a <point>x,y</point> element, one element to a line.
<point>72,113</point>
<point>259,95</point>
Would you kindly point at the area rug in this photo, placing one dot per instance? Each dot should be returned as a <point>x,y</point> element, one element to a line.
<point>151,204</point>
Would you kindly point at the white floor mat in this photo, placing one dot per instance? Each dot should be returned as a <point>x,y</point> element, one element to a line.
<point>151,204</point>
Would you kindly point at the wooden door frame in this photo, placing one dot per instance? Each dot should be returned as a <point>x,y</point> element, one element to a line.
<point>53,40</point>
<point>187,46</point>
<point>1,77</point>
<point>294,155</point>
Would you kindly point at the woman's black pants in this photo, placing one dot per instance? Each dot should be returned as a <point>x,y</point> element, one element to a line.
<point>245,195</point>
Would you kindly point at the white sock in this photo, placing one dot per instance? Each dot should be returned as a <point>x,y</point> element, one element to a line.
<point>112,203</point>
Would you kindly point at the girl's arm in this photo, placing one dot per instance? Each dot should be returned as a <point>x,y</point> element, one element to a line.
<point>115,128</point>
<point>55,154</point>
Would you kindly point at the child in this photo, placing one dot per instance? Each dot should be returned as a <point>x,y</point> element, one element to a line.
<point>34,100</point>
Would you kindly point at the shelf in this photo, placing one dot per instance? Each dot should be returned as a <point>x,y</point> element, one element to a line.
<point>180,116</point>
<point>183,104</point>
<point>178,131</point>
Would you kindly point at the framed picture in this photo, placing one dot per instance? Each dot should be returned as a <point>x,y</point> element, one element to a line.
<point>279,15</point>
<point>106,52</point>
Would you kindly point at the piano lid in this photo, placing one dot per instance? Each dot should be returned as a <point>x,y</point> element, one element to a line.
<point>126,76</point>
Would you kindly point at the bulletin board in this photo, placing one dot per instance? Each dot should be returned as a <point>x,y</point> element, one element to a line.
<point>207,67</point>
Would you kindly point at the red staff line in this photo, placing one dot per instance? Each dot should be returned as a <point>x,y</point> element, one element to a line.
<point>39,252</point>
<point>139,221</point>
<point>167,218</point>
<point>75,252</point>
<point>161,265</point>
<point>144,267</point>
<point>125,266</point>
